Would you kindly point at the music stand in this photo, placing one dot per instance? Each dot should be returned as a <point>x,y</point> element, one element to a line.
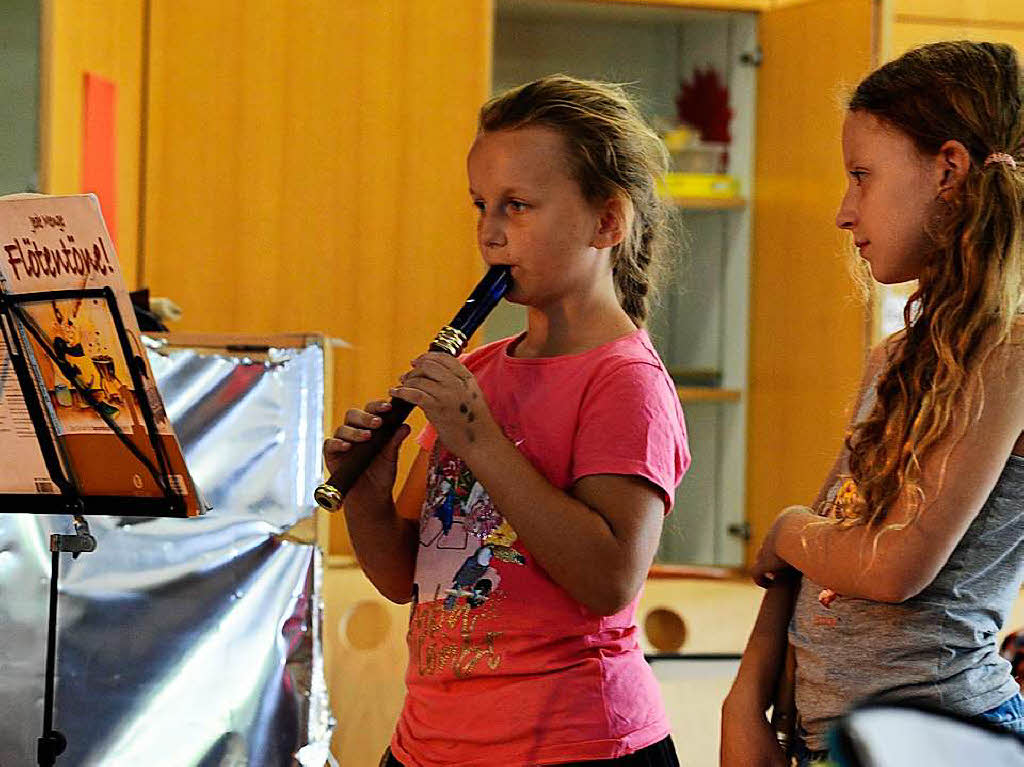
<point>20,330</point>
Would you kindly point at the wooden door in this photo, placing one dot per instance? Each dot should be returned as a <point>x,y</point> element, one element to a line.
<point>306,171</point>
<point>808,328</point>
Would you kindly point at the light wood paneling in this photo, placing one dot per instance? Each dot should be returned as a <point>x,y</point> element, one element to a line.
<point>306,170</point>
<point>717,616</point>
<point>365,655</point>
<point>365,677</point>
<point>808,331</point>
<point>105,37</point>
<point>910,34</point>
<point>916,22</point>
<point>1015,621</point>
<point>999,11</point>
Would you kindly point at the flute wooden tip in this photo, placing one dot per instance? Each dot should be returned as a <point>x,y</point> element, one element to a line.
<point>327,497</point>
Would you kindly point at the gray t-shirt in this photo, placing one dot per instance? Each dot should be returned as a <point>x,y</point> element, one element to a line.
<point>938,648</point>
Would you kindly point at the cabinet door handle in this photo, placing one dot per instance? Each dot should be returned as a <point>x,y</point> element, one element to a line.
<point>752,58</point>
<point>740,530</point>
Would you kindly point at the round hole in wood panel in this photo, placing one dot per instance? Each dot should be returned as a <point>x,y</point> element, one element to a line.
<point>365,625</point>
<point>665,629</point>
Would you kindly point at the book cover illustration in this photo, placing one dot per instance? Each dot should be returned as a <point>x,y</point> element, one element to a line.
<point>59,244</point>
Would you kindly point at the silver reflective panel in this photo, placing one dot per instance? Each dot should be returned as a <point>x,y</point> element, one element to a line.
<point>195,641</point>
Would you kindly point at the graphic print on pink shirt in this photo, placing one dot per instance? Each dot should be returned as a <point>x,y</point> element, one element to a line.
<point>462,537</point>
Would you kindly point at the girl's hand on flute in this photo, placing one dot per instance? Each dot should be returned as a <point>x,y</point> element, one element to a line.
<point>376,483</point>
<point>451,399</point>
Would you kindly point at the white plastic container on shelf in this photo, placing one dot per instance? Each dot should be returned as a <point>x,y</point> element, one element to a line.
<point>700,157</point>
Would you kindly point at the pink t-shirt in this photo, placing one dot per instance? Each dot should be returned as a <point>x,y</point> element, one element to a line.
<point>505,668</point>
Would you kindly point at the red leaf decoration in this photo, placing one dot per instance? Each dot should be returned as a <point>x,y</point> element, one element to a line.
<point>704,104</point>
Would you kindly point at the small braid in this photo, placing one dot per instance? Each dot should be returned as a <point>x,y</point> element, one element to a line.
<point>630,273</point>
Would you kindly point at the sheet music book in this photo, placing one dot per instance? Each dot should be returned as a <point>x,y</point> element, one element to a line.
<point>58,244</point>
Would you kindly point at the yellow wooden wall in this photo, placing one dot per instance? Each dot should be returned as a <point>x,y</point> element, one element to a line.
<point>722,5</point>
<point>915,22</point>
<point>808,330</point>
<point>306,171</point>
<point>105,37</point>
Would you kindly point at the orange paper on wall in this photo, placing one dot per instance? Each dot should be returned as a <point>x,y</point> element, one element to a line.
<point>99,145</point>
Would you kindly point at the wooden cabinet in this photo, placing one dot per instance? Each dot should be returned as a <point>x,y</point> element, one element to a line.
<point>758,298</point>
<point>306,170</point>
<point>302,167</point>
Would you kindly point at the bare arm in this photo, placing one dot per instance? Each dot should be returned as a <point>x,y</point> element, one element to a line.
<point>762,659</point>
<point>383,536</point>
<point>747,739</point>
<point>957,477</point>
<point>597,541</point>
<point>386,539</point>
<point>765,651</point>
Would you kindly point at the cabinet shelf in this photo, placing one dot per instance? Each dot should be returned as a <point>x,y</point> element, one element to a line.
<point>701,327</point>
<point>697,572</point>
<point>707,394</point>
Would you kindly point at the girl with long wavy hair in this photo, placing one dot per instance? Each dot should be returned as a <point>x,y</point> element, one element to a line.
<point>913,553</point>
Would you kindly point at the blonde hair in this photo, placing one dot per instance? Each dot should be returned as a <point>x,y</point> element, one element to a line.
<point>969,289</point>
<point>611,152</point>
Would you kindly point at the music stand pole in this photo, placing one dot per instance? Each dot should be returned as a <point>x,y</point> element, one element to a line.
<point>52,743</point>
